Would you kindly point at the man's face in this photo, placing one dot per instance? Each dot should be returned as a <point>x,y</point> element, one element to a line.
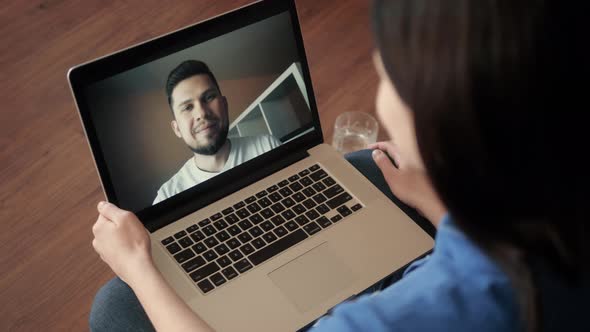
<point>200,113</point>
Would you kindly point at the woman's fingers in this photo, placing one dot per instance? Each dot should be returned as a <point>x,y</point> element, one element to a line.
<point>100,223</point>
<point>379,145</point>
<point>373,146</point>
<point>95,227</point>
<point>96,246</point>
<point>112,213</point>
<point>391,150</point>
<point>386,166</point>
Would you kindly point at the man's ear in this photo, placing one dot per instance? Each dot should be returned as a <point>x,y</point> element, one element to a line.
<point>175,128</point>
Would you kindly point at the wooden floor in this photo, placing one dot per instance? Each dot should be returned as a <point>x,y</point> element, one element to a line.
<point>49,272</point>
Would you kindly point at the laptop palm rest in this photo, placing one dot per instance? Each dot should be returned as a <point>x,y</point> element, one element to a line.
<point>313,277</point>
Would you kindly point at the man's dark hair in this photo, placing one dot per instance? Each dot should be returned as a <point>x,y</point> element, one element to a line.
<point>185,70</point>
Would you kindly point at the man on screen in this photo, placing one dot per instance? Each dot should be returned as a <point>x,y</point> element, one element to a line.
<point>200,119</point>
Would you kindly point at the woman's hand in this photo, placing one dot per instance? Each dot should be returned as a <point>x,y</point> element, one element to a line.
<point>122,242</point>
<point>411,186</point>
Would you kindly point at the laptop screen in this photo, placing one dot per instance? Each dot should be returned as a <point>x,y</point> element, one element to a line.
<point>182,119</point>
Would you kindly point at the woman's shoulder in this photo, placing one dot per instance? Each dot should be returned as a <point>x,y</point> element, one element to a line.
<point>453,289</point>
<point>429,299</point>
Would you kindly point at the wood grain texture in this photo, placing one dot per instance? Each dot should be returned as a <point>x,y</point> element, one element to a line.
<point>49,187</point>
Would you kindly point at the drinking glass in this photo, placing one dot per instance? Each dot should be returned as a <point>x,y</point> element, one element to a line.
<point>354,131</point>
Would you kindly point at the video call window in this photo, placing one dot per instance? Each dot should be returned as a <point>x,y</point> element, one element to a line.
<point>173,123</point>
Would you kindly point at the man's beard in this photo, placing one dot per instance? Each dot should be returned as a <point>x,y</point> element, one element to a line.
<point>212,148</point>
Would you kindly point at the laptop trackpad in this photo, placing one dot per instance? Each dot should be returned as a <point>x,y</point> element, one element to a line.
<point>313,277</point>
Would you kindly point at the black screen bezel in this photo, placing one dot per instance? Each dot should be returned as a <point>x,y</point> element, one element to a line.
<point>159,215</point>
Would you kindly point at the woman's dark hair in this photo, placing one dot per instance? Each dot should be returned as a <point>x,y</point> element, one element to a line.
<point>183,71</point>
<point>493,88</point>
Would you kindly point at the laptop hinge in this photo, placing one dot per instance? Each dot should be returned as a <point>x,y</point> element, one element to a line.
<point>220,190</point>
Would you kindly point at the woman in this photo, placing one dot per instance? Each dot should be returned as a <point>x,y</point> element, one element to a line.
<point>480,100</point>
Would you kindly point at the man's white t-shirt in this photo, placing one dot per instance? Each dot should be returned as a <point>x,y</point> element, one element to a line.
<point>242,149</point>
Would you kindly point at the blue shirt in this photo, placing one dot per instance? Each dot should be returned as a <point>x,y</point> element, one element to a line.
<point>457,288</point>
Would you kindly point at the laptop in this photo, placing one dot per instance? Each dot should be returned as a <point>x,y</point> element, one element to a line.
<point>283,228</point>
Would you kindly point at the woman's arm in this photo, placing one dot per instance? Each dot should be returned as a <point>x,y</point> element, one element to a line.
<point>166,310</point>
<point>123,243</point>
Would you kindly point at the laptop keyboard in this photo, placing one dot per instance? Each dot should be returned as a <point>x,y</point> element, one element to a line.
<point>220,248</point>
